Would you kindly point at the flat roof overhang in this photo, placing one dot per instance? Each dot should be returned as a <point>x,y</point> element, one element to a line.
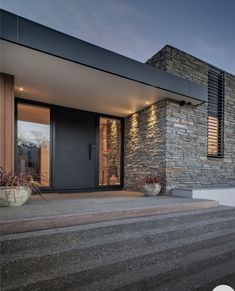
<point>59,69</point>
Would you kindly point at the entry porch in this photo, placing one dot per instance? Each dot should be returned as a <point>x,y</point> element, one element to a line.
<point>50,211</point>
<point>64,103</point>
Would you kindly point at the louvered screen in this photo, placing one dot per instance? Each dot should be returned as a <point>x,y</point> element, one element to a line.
<point>215,112</point>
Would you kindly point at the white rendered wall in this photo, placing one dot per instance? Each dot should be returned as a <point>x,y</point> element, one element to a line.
<point>225,196</point>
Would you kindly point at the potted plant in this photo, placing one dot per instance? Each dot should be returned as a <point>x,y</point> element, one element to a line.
<point>15,189</point>
<point>151,185</point>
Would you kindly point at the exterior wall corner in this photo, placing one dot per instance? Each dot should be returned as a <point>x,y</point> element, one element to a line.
<point>144,149</point>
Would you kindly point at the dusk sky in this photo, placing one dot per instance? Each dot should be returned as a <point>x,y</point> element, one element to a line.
<point>140,28</point>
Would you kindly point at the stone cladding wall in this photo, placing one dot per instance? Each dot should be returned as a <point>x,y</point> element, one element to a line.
<point>144,152</point>
<point>178,146</point>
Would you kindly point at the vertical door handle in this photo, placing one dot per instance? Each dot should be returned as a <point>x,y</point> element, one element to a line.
<point>91,146</point>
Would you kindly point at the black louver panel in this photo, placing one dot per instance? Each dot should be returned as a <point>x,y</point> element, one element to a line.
<point>215,112</point>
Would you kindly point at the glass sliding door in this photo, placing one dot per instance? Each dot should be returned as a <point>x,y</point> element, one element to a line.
<point>33,142</point>
<point>109,151</point>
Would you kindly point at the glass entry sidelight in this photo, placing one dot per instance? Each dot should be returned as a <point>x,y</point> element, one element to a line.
<point>109,151</point>
<point>33,142</point>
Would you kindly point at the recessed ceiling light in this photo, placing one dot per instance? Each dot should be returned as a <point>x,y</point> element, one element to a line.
<point>21,89</point>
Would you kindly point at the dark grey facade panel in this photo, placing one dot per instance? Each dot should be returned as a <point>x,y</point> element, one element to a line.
<point>151,75</point>
<point>68,47</point>
<point>8,26</point>
<point>42,38</point>
<point>199,92</point>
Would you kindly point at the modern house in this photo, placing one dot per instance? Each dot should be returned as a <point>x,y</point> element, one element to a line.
<point>82,118</point>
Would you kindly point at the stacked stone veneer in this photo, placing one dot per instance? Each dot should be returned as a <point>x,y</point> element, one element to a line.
<point>145,144</point>
<point>183,133</point>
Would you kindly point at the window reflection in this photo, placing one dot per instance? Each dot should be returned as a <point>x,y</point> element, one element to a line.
<point>33,142</point>
<point>110,151</point>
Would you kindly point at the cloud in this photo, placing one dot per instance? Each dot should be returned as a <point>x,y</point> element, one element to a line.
<point>206,47</point>
<point>114,25</point>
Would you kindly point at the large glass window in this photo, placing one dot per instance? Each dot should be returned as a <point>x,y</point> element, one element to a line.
<point>110,151</point>
<point>33,142</point>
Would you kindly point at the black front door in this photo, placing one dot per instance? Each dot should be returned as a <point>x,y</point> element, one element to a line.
<point>74,149</point>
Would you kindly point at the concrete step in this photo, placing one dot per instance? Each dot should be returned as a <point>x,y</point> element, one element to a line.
<point>99,233</point>
<point>135,251</point>
<point>143,273</point>
<point>32,223</point>
<point>156,274</point>
<point>115,239</point>
<point>207,279</point>
<point>128,254</point>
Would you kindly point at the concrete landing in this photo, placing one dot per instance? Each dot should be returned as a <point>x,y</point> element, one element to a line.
<point>61,210</point>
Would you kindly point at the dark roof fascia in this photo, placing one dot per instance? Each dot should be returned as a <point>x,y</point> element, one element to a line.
<point>30,34</point>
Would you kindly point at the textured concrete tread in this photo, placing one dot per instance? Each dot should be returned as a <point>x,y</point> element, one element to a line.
<point>143,253</point>
<point>207,279</point>
<point>135,277</point>
<point>163,219</point>
<point>26,272</point>
<point>104,230</point>
<point>154,276</point>
<point>200,230</point>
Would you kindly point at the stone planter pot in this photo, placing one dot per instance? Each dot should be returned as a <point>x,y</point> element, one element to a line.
<point>151,190</point>
<point>13,196</point>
